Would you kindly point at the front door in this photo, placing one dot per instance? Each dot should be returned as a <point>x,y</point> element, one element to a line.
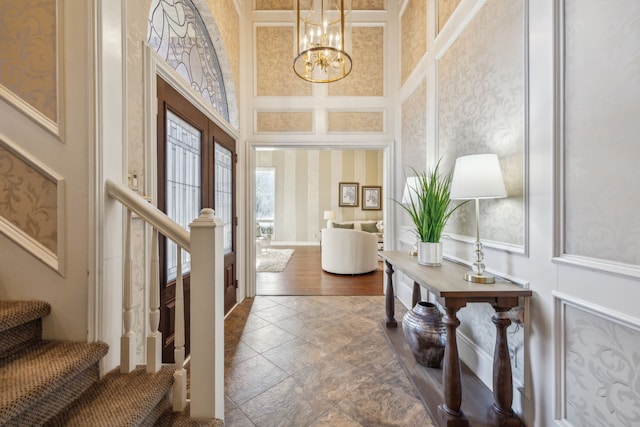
<point>196,169</point>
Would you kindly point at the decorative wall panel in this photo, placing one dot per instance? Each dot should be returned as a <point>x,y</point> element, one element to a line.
<point>602,100</point>
<point>367,75</point>
<point>367,4</point>
<point>28,62</point>
<point>274,59</point>
<point>601,368</point>
<point>414,36</point>
<point>414,130</point>
<point>445,9</point>
<point>481,109</point>
<point>28,199</point>
<point>274,4</point>
<point>227,22</point>
<point>340,121</point>
<point>288,4</point>
<point>299,121</point>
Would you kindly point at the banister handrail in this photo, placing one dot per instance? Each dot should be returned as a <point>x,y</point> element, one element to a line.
<point>154,216</point>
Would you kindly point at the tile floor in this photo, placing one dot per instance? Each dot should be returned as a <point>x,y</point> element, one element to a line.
<point>315,361</point>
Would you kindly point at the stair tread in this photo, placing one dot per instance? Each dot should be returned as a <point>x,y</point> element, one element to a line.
<point>14,313</point>
<point>118,399</point>
<point>182,419</point>
<point>31,374</point>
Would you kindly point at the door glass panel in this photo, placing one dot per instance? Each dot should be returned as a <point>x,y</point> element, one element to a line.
<point>183,183</point>
<point>224,192</point>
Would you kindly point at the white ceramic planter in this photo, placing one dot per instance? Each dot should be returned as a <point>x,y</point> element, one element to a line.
<point>429,253</point>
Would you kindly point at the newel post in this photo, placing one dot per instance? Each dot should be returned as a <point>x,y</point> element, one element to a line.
<point>207,316</point>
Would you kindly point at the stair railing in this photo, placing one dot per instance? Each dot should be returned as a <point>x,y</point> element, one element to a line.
<point>205,243</point>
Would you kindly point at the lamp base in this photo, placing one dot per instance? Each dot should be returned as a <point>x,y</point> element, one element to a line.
<point>472,276</point>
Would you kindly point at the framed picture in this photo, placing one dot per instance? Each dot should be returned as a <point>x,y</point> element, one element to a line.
<point>371,198</point>
<point>348,192</point>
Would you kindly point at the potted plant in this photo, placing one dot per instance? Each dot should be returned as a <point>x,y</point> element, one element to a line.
<point>426,200</point>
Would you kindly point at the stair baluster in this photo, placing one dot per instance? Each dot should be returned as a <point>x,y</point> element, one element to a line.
<point>180,375</point>
<point>154,340</point>
<point>128,339</point>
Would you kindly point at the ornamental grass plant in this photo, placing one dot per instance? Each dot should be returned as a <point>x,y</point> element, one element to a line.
<point>428,204</point>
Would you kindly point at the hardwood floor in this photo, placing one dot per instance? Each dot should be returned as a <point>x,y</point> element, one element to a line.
<point>304,276</point>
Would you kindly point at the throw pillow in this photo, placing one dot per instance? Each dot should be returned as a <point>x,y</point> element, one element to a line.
<point>369,227</point>
<point>338,225</point>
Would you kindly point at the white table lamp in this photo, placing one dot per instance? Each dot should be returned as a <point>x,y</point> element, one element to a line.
<point>478,177</point>
<point>329,216</point>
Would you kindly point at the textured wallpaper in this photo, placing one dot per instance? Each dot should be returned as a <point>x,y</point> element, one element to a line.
<point>228,23</point>
<point>414,36</point>
<point>299,121</point>
<point>414,129</point>
<point>367,4</point>
<point>288,4</point>
<point>602,360</point>
<point>602,101</point>
<point>28,199</point>
<point>445,9</point>
<point>274,4</point>
<point>274,60</point>
<point>307,185</point>
<point>340,121</point>
<point>481,110</point>
<point>28,54</point>
<point>367,75</point>
<point>414,134</point>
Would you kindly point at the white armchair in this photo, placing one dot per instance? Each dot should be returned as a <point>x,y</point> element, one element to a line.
<point>349,251</point>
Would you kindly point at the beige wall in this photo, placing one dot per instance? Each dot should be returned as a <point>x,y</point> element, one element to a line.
<point>307,185</point>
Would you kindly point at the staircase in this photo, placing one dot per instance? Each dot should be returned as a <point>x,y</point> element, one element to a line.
<point>56,383</point>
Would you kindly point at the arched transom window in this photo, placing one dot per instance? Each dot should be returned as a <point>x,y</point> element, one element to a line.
<point>177,33</point>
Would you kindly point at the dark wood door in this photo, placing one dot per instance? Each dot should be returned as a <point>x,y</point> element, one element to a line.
<point>189,179</point>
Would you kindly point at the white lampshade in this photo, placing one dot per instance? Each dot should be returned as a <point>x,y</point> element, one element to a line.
<point>477,177</point>
<point>329,215</point>
<point>409,192</point>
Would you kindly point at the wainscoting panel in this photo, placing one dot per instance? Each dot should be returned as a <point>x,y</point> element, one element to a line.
<point>599,208</point>
<point>445,10</point>
<point>274,74</point>
<point>284,121</point>
<point>31,60</point>
<point>31,205</point>
<point>413,36</point>
<point>355,121</point>
<point>482,109</point>
<point>367,75</point>
<point>598,364</point>
<point>414,130</point>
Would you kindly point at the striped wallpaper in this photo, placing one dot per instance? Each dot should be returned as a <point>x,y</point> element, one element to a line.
<point>307,185</point>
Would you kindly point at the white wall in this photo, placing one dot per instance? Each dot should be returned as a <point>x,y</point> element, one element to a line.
<point>581,337</point>
<point>22,275</point>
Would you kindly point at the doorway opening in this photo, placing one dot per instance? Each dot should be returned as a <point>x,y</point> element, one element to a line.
<point>307,179</point>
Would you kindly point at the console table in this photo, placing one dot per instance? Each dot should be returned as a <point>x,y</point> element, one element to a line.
<point>453,292</point>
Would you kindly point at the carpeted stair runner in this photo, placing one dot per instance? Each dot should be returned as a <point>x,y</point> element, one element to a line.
<point>134,399</point>
<point>55,383</point>
<point>20,324</point>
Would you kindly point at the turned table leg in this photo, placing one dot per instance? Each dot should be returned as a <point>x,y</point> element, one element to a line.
<point>502,378</point>
<point>415,296</point>
<point>390,320</point>
<point>450,411</point>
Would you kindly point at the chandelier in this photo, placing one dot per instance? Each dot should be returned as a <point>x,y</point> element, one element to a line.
<point>322,40</point>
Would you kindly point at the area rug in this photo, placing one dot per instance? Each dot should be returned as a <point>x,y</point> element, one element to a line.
<point>273,260</point>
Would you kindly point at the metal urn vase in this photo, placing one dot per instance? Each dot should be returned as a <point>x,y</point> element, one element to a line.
<point>425,333</point>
